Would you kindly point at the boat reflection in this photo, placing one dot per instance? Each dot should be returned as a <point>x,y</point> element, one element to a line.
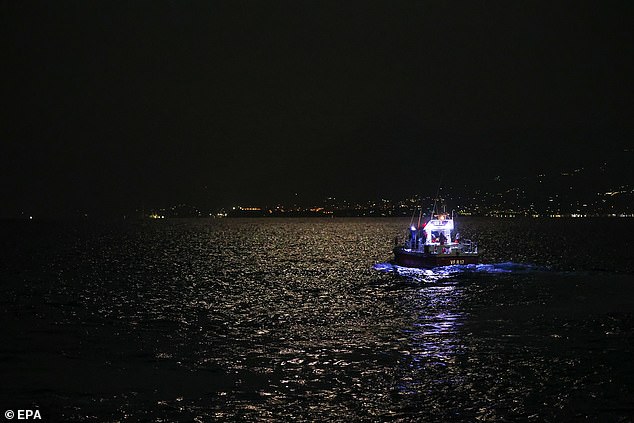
<point>435,274</point>
<point>435,338</point>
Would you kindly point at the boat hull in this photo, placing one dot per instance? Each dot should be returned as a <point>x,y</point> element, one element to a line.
<point>421,260</point>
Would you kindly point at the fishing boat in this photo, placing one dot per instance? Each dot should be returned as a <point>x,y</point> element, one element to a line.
<point>433,244</point>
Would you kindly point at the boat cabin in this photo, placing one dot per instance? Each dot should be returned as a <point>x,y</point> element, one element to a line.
<point>438,230</point>
<point>435,232</point>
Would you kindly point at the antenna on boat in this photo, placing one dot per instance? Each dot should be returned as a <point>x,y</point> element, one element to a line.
<point>437,195</point>
<point>439,185</point>
<point>412,219</point>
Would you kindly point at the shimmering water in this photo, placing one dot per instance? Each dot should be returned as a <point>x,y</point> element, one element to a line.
<point>304,320</point>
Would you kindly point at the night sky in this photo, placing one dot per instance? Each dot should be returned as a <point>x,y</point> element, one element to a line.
<point>111,106</point>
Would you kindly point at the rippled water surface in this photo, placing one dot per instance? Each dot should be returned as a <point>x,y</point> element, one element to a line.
<point>305,320</point>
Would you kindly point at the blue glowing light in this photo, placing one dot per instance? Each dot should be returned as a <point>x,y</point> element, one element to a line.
<point>439,273</point>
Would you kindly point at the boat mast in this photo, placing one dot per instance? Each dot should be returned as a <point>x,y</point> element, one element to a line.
<point>437,195</point>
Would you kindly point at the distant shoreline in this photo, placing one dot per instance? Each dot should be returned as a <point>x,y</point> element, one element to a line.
<point>289,216</point>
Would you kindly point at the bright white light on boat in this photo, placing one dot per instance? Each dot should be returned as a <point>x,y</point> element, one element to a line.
<point>413,228</point>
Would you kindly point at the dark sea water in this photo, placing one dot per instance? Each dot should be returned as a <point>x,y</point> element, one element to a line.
<point>304,320</point>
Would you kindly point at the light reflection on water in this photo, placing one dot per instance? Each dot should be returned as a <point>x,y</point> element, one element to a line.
<point>435,335</point>
<point>294,320</point>
<point>439,273</point>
